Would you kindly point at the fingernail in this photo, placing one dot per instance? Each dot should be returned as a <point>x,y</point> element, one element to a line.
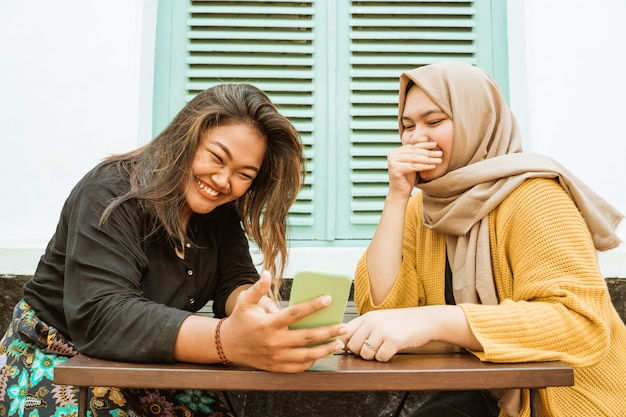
<point>339,346</point>
<point>326,300</point>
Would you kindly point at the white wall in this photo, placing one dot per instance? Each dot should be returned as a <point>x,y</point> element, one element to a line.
<point>76,85</point>
<point>572,95</point>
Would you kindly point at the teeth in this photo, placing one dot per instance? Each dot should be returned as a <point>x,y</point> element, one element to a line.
<point>203,186</point>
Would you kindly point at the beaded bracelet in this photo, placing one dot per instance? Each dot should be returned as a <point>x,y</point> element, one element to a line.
<point>218,343</point>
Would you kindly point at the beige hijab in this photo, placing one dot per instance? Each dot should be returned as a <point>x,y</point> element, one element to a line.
<point>486,165</point>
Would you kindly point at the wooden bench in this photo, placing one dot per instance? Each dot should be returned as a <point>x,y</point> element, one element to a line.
<point>338,373</point>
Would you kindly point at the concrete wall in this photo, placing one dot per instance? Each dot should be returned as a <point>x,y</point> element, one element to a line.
<point>76,85</point>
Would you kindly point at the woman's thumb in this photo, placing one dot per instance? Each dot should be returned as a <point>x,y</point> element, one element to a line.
<point>260,288</point>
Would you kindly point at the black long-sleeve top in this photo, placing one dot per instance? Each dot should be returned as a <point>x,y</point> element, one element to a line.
<point>119,294</point>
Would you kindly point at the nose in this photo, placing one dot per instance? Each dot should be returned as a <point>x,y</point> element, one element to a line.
<point>414,136</point>
<point>221,178</point>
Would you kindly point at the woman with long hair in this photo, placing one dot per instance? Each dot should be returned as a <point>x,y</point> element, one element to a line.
<point>145,240</point>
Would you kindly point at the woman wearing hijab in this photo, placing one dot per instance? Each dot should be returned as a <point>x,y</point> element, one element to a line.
<point>496,253</point>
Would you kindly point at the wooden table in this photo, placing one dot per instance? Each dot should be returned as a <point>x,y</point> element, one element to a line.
<point>344,372</point>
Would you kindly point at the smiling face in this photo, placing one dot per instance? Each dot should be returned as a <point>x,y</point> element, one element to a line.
<point>423,121</point>
<point>226,162</point>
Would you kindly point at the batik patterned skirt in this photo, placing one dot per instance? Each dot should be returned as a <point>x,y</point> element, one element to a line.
<point>29,351</point>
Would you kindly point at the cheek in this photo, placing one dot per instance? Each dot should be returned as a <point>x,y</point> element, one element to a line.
<point>405,138</point>
<point>446,145</point>
<point>240,187</point>
<point>448,140</point>
<point>200,163</point>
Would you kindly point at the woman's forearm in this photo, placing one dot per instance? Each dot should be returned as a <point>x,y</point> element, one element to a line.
<point>232,298</point>
<point>196,340</point>
<point>451,326</point>
<point>384,255</point>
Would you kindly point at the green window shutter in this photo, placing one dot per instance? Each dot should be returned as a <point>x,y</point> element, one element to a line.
<point>386,38</point>
<point>331,67</point>
<point>268,44</point>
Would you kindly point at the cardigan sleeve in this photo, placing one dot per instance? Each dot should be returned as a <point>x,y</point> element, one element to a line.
<point>554,303</point>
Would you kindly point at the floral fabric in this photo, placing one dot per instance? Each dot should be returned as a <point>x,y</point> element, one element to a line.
<point>29,351</point>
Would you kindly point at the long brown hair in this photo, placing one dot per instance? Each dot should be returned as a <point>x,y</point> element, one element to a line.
<point>159,170</point>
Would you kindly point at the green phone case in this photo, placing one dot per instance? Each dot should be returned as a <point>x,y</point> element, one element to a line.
<point>310,284</point>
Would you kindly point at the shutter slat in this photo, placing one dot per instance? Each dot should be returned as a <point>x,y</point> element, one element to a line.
<point>372,191</point>
<point>394,22</point>
<point>257,59</point>
<point>377,71</point>
<point>367,97</point>
<point>370,151</point>
<point>409,34</point>
<point>387,58</point>
<point>372,112</point>
<point>404,11</point>
<point>368,178</point>
<point>251,22</point>
<point>245,9</point>
<point>230,72</point>
<point>266,85</point>
<point>250,35</point>
<point>366,137</point>
<point>256,49</point>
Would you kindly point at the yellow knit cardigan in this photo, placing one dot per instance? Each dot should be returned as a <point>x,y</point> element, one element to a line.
<point>554,302</point>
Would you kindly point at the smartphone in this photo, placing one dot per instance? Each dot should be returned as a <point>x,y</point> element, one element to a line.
<point>307,285</point>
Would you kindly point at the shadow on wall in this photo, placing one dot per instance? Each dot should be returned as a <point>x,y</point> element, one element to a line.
<point>11,290</point>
